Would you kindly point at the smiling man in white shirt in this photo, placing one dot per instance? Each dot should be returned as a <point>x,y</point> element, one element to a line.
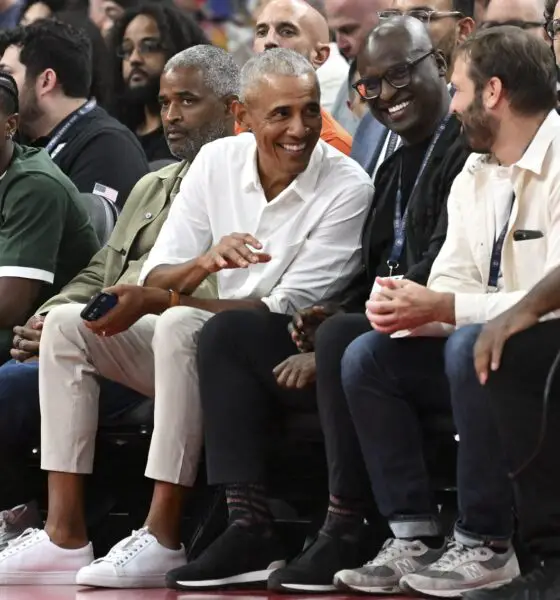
<point>503,235</point>
<point>298,206</point>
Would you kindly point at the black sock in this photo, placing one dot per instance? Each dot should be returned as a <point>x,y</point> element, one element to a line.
<point>345,517</point>
<point>247,505</point>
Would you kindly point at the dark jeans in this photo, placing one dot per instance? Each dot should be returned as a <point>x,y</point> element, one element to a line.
<point>390,385</point>
<point>517,390</point>
<point>20,420</point>
<point>348,477</point>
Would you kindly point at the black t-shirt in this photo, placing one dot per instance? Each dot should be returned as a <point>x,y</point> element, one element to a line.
<point>96,148</point>
<point>154,145</point>
<point>410,161</point>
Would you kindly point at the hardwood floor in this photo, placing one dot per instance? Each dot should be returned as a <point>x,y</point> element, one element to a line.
<point>71,593</point>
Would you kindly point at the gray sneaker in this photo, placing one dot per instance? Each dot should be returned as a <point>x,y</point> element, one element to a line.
<point>382,574</point>
<point>462,569</point>
<point>15,521</point>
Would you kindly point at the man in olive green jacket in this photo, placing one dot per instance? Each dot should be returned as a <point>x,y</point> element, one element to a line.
<point>120,261</point>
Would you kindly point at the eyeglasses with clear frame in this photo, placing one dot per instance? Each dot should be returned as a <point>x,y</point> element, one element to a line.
<point>422,14</point>
<point>399,76</point>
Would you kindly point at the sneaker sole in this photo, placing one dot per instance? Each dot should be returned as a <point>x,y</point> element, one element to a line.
<point>381,591</point>
<point>254,577</point>
<point>452,593</point>
<point>302,587</point>
<point>108,581</point>
<point>51,578</point>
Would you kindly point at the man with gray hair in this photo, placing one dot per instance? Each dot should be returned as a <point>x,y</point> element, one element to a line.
<point>302,26</point>
<point>197,89</point>
<point>277,217</point>
<point>302,205</point>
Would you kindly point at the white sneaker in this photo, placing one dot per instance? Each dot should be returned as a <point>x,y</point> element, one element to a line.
<point>138,561</point>
<point>32,559</point>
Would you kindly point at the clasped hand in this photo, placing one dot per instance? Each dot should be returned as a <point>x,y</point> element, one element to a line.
<point>400,304</point>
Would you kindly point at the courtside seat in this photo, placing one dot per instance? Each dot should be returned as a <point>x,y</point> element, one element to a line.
<point>103,215</point>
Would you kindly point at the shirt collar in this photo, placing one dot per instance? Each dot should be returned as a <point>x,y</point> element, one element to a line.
<point>533,157</point>
<point>304,184</point>
<point>163,174</point>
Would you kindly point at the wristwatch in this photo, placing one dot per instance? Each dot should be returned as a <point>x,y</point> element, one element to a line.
<point>174,298</point>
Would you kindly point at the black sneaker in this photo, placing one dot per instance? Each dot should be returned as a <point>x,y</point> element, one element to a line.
<point>313,570</point>
<point>543,583</point>
<point>15,521</point>
<point>240,557</point>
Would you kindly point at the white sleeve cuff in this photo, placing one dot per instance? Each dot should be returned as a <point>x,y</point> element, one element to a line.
<point>27,273</point>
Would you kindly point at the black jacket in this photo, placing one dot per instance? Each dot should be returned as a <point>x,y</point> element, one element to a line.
<point>99,149</point>
<point>427,217</point>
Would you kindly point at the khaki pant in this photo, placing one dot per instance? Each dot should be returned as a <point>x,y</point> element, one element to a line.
<point>156,357</point>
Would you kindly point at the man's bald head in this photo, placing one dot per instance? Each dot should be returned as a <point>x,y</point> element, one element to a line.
<point>408,31</point>
<point>403,78</point>
<point>526,13</point>
<point>293,24</point>
<point>352,20</point>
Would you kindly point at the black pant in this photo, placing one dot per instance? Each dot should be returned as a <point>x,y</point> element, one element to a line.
<point>237,351</point>
<point>517,390</point>
<point>390,384</point>
<point>347,473</point>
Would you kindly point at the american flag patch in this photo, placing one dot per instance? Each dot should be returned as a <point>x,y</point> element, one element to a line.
<point>107,192</point>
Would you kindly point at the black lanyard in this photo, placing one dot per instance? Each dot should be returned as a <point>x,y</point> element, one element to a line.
<point>496,258</point>
<point>400,218</point>
<point>391,144</point>
<point>81,112</point>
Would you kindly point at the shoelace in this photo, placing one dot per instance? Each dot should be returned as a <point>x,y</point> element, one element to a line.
<point>392,548</point>
<point>456,554</point>
<point>123,552</point>
<point>22,539</point>
<point>7,517</point>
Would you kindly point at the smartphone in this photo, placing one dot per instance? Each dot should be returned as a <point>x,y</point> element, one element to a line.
<point>99,306</point>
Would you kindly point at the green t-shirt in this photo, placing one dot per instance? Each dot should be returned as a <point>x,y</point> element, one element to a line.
<point>45,232</point>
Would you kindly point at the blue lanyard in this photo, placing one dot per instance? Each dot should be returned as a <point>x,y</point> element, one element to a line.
<point>400,218</point>
<point>496,258</point>
<point>76,116</point>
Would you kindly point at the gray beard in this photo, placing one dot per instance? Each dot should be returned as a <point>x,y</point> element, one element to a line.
<point>198,138</point>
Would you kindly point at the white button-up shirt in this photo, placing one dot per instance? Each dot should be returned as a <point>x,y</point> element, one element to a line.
<point>311,230</point>
<point>463,264</point>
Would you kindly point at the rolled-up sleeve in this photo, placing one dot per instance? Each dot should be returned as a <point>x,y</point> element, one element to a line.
<point>186,233</point>
<point>330,256</point>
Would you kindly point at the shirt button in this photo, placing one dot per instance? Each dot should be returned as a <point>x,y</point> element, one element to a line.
<point>148,215</point>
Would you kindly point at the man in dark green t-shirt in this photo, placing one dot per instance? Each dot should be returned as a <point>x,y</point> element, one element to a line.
<point>45,233</point>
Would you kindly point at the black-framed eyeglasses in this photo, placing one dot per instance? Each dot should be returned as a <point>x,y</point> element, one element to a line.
<point>422,14</point>
<point>146,46</point>
<point>398,77</point>
<point>514,23</point>
<point>553,29</point>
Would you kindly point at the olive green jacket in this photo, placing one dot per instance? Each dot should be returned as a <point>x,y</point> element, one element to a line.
<point>137,228</point>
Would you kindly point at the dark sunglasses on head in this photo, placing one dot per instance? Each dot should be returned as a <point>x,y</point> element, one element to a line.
<point>146,46</point>
<point>398,77</point>
<point>422,14</point>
